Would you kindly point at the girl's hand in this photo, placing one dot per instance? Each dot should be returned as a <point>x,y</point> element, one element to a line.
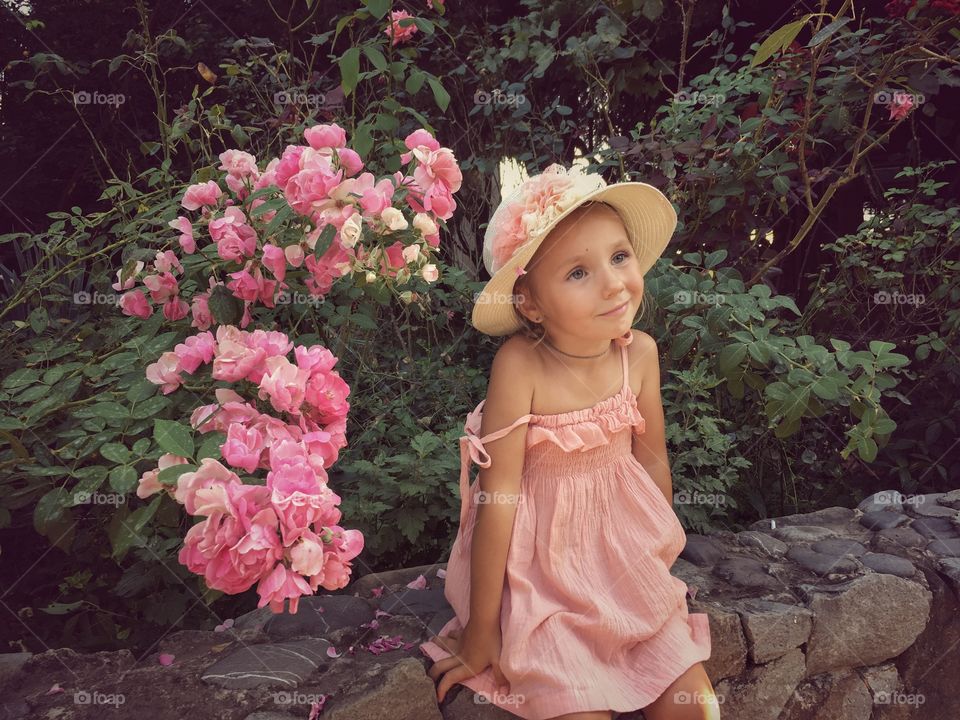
<point>473,651</point>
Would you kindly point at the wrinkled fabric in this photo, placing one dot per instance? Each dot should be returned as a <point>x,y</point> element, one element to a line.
<point>591,617</point>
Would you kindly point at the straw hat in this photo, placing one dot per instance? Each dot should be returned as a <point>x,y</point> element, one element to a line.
<point>525,218</point>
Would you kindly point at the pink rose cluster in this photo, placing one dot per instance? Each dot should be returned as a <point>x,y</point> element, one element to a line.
<point>282,536</point>
<point>323,184</point>
<point>161,285</point>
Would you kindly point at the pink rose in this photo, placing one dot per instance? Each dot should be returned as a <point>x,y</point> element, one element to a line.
<point>325,136</point>
<point>243,285</point>
<point>162,287</point>
<point>135,303</point>
<point>200,309</point>
<point>315,359</point>
<point>201,194</point>
<point>238,163</point>
<point>350,161</point>
<point>275,261</point>
<point>282,584</point>
<point>242,447</point>
<point>395,31</point>
<point>234,360</point>
<point>165,372</point>
<point>284,383</point>
<point>306,555</point>
<point>195,350</point>
<point>175,309</point>
<point>131,279</point>
<point>166,261</point>
<point>187,242</point>
<point>327,393</point>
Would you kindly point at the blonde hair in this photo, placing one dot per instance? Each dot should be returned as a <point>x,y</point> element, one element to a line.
<point>536,331</point>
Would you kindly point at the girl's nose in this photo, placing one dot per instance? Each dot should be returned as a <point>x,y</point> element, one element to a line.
<point>613,282</point>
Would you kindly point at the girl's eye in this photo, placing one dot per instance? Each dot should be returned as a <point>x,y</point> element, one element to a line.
<point>578,270</point>
<point>624,253</point>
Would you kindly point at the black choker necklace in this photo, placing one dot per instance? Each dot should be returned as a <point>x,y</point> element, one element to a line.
<point>579,357</point>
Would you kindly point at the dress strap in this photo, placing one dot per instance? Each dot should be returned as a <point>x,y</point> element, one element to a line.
<point>471,448</point>
<point>623,341</point>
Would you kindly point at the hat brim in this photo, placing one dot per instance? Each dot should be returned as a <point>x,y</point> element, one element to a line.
<point>647,215</point>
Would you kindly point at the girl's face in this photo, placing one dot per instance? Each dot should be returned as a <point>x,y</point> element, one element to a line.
<point>584,268</point>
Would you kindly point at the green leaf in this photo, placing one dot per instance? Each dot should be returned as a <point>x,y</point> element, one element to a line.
<point>414,81</point>
<point>115,452</point>
<point>210,447</point>
<point>123,479</point>
<point>376,57</point>
<point>362,139</point>
<point>827,31</point>
<point>323,242</point>
<point>224,306</point>
<point>170,475</point>
<point>377,8</point>
<point>729,359</point>
<point>109,411</point>
<point>21,377</point>
<point>879,347</point>
<point>826,388</point>
<point>272,204</point>
<point>149,407</point>
<point>426,26</point>
<point>440,95</point>
<point>49,509</point>
<point>779,39</point>
<point>839,345</point>
<point>715,258</point>
<point>173,437</point>
<point>126,531</point>
<point>867,449</point>
<point>349,70</point>
<point>38,320</point>
<point>57,608</point>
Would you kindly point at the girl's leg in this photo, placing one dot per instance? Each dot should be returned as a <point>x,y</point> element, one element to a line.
<point>598,715</point>
<point>690,697</point>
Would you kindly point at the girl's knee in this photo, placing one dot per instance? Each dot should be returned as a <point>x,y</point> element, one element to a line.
<point>689,697</point>
<point>593,715</point>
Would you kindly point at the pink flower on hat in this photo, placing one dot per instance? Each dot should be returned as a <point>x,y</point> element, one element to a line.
<point>540,199</point>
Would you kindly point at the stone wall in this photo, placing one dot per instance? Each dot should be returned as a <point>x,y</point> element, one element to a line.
<point>838,614</point>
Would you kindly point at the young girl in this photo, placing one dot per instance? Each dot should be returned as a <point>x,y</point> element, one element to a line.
<point>560,572</point>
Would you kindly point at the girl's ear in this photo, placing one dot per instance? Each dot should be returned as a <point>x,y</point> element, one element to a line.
<point>525,303</point>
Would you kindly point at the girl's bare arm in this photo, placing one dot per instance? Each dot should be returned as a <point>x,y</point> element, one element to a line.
<point>650,447</point>
<point>509,397</point>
